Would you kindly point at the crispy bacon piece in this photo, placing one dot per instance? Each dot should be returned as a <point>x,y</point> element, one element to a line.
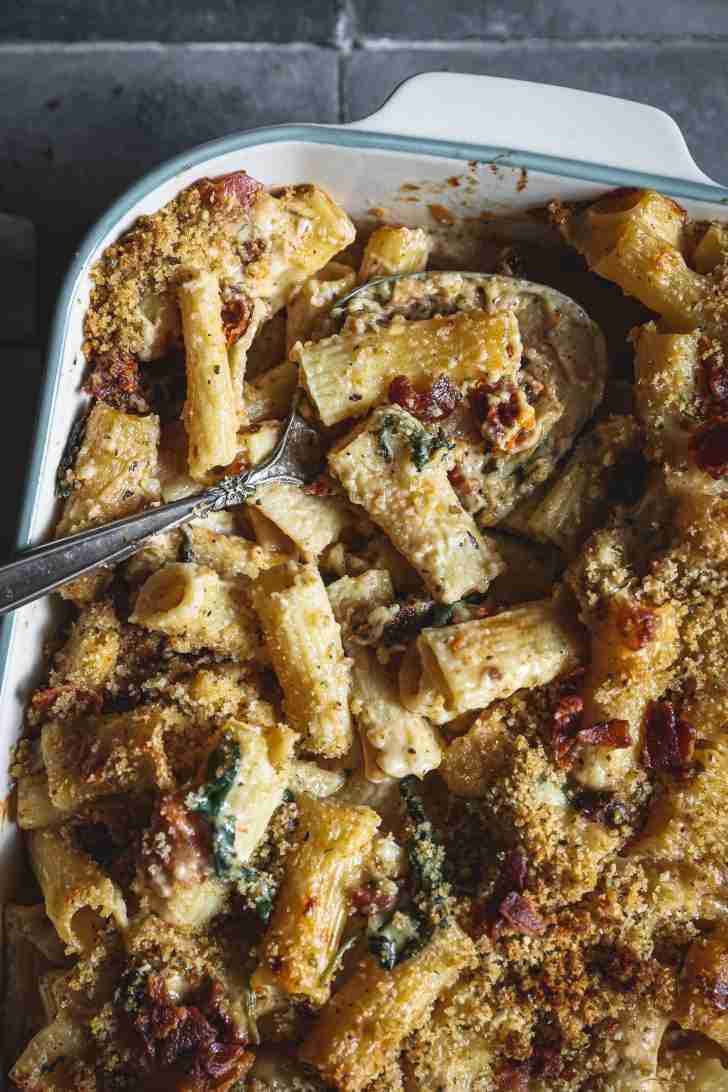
<point>669,740</point>
<point>370,898</point>
<point>433,404</point>
<point>606,733</point>
<point>114,379</point>
<point>507,904</point>
<point>567,732</point>
<point>321,487</point>
<point>236,312</point>
<point>566,725</point>
<point>44,702</point>
<point>709,448</point>
<point>229,190</point>
<point>520,914</point>
<point>514,1076</point>
<point>637,625</point>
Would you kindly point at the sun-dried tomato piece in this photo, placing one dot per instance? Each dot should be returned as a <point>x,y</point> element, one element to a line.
<point>709,447</point>
<point>115,380</point>
<point>228,190</point>
<point>433,404</point>
<point>637,625</point>
<point>520,914</point>
<point>669,740</point>
<point>236,312</point>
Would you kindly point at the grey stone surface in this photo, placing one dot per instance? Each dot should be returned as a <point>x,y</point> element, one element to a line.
<point>19,279</point>
<point>428,19</point>
<point>161,20</point>
<point>78,126</point>
<point>688,81</point>
<point>16,433</point>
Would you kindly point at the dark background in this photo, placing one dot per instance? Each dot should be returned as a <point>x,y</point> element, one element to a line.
<point>95,92</point>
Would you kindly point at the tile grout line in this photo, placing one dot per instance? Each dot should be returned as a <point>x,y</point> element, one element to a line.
<point>346,41</point>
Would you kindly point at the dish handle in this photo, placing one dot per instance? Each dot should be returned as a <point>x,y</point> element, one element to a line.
<point>539,119</point>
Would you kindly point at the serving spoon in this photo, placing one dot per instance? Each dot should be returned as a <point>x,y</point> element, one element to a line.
<point>295,460</point>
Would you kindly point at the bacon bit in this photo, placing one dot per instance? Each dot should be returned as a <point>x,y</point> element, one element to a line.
<point>716,378</point>
<point>521,915</point>
<point>514,1076</point>
<point>566,724</point>
<point>637,625</point>
<point>669,741</point>
<point>237,188</point>
<point>322,487</point>
<point>371,898</point>
<point>567,732</point>
<point>114,379</point>
<point>433,404</point>
<point>718,993</point>
<point>606,733</point>
<point>511,884</point>
<point>459,482</point>
<point>85,701</point>
<point>236,312</point>
<point>709,448</point>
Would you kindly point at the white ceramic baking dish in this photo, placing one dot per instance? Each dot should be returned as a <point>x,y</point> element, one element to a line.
<point>489,131</point>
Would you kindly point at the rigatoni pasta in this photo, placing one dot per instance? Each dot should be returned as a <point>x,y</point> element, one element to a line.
<point>412,779</point>
<point>397,471</point>
<point>304,642</point>
<point>302,941</point>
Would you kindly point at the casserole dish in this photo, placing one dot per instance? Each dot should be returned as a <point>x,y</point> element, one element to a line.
<point>530,145</point>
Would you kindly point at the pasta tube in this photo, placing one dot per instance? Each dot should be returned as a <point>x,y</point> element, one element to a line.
<point>348,373</point>
<point>211,409</point>
<point>78,896</point>
<point>397,471</point>
<point>632,652</point>
<point>304,642</point>
<point>314,299</point>
<point>395,741</point>
<point>366,1022</point>
<point>197,609</point>
<point>667,371</point>
<point>325,864</point>
<point>117,752</point>
<point>451,669</point>
<point>391,250</point>
<point>115,475</point>
<point>632,237</point>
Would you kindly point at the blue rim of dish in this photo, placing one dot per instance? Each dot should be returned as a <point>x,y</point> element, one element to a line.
<point>278,134</point>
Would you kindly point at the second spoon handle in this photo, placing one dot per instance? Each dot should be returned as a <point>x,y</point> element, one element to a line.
<point>38,571</point>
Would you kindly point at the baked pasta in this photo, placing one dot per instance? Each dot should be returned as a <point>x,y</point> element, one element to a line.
<point>413,779</point>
